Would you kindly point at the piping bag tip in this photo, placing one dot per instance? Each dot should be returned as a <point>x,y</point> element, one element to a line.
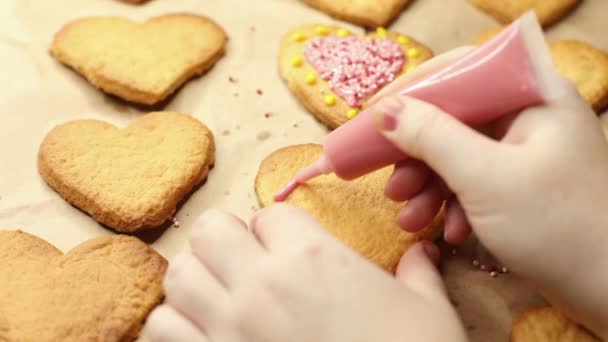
<point>320,167</point>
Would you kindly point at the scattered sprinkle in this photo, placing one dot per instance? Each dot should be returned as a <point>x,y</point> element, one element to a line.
<point>297,61</point>
<point>493,274</point>
<point>175,222</point>
<point>504,270</point>
<point>322,30</point>
<point>311,78</point>
<point>232,79</point>
<point>475,263</point>
<point>381,32</point>
<point>226,132</point>
<point>330,100</point>
<point>343,33</point>
<point>403,40</point>
<point>263,135</point>
<point>483,267</point>
<point>413,52</point>
<point>259,92</point>
<point>298,37</point>
<point>267,115</point>
<point>352,113</point>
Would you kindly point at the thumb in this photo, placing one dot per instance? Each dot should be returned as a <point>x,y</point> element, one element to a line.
<point>418,272</point>
<point>456,152</point>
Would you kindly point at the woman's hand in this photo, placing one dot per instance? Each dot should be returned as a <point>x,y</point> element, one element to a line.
<point>534,192</point>
<point>287,279</point>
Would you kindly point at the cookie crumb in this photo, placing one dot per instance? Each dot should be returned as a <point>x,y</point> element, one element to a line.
<point>232,79</point>
<point>237,127</point>
<point>226,193</point>
<point>259,92</point>
<point>176,223</point>
<point>235,94</point>
<point>226,132</point>
<point>252,28</point>
<point>263,135</point>
<point>295,125</point>
<point>267,115</point>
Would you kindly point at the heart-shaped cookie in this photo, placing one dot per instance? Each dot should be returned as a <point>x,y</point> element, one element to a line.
<point>102,290</point>
<point>581,63</point>
<point>547,324</point>
<point>142,63</point>
<point>333,72</point>
<point>370,13</point>
<point>547,11</point>
<point>128,179</point>
<point>356,212</point>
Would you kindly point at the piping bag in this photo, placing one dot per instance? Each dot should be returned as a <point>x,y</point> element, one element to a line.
<point>510,72</point>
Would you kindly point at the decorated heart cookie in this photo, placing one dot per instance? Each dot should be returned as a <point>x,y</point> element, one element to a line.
<point>370,13</point>
<point>128,179</point>
<point>547,324</point>
<point>581,63</point>
<point>356,212</point>
<point>142,63</point>
<point>102,290</point>
<point>333,72</point>
<point>547,11</point>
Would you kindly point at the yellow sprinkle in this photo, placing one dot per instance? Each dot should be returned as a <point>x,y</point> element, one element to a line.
<point>381,32</point>
<point>403,40</point>
<point>330,100</point>
<point>413,52</point>
<point>343,33</point>
<point>410,68</point>
<point>311,78</point>
<point>298,37</point>
<point>352,113</point>
<point>322,30</point>
<point>296,61</point>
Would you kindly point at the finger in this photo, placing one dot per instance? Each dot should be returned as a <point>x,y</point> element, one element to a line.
<point>420,211</point>
<point>407,180</point>
<point>166,325</point>
<point>458,153</point>
<point>223,244</point>
<point>283,226</point>
<point>435,63</point>
<point>457,227</point>
<point>417,270</point>
<point>192,290</point>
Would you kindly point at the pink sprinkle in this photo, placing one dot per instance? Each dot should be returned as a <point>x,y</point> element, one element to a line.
<point>232,79</point>
<point>260,92</point>
<point>355,68</point>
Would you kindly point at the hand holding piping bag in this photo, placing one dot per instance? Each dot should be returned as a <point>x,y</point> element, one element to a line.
<point>533,190</point>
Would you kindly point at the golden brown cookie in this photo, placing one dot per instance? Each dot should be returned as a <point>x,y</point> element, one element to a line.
<point>487,35</point>
<point>135,1</point>
<point>547,324</point>
<point>586,66</point>
<point>142,63</point>
<point>506,11</point>
<point>101,290</point>
<point>356,212</point>
<point>309,81</point>
<point>370,13</point>
<point>132,178</point>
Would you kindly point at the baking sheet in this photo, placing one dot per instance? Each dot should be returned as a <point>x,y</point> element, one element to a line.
<point>38,93</point>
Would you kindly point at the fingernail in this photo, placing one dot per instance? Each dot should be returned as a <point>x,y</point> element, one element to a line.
<point>432,251</point>
<point>388,111</point>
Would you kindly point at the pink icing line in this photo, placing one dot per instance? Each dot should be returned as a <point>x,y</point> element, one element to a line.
<point>355,68</point>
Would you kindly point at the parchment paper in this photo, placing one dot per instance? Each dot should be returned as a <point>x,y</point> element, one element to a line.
<point>38,93</point>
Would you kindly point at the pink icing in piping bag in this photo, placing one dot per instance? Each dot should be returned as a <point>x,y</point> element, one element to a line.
<point>510,72</point>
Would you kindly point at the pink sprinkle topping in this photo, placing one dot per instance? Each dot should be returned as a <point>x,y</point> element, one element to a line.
<point>355,68</point>
<point>259,92</point>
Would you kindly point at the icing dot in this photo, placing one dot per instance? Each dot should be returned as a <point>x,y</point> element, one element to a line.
<point>410,68</point>
<point>330,100</point>
<point>311,78</point>
<point>322,30</point>
<point>403,40</point>
<point>296,61</point>
<point>343,33</point>
<point>298,37</point>
<point>413,52</point>
<point>351,114</point>
<point>381,32</point>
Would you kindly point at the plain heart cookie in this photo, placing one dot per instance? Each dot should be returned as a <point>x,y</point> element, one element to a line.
<point>141,63</point>
<point>356,212</point>
<point>128,179</point>
<point>370,13</point>
<point>506,11</point>
<point>547,324</point>
<point>583,64</point>
<point>333,72</point>
<point>101,290</point>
